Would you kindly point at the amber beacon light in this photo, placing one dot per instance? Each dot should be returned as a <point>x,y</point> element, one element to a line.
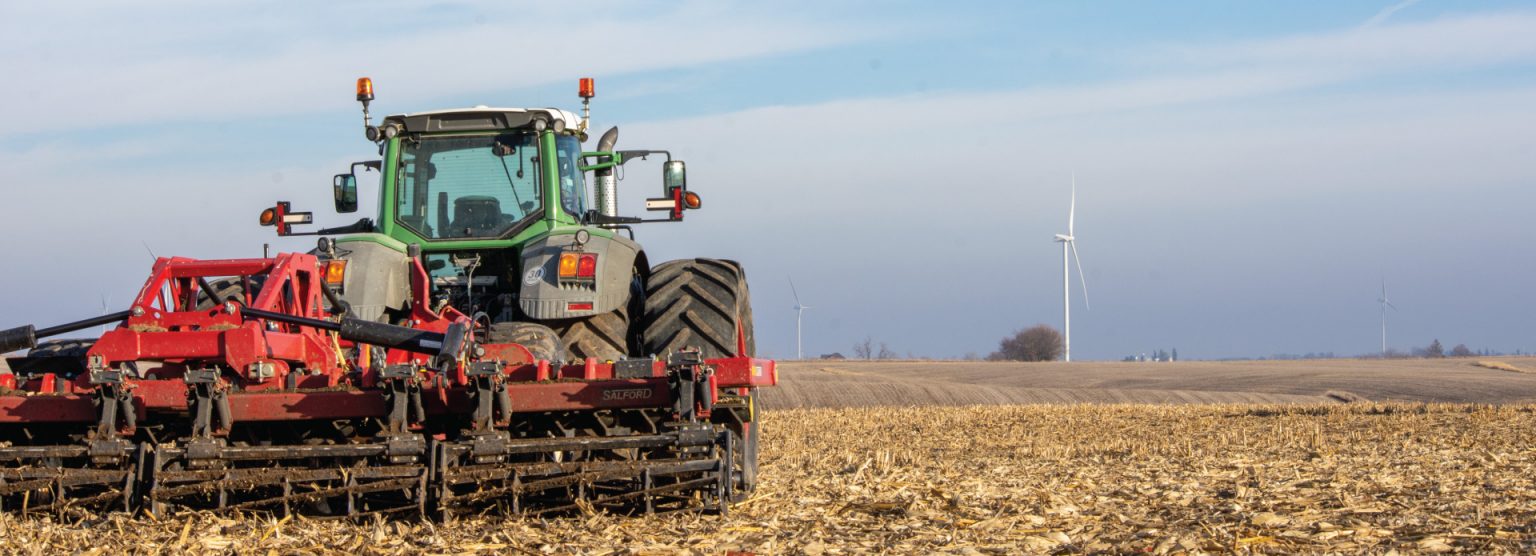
<point>364,89</point>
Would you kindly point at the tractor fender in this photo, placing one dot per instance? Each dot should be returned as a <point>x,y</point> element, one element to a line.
<point>541,296</point>
<point>377,277</point>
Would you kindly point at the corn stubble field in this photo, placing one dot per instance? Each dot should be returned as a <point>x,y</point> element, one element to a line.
<point>1163,478</point>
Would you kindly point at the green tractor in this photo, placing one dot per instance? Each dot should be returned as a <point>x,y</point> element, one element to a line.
<point>495,203</point>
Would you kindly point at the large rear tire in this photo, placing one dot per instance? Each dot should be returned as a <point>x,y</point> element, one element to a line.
<point>604,337</point>
<point>699,303</point>
<point>64,357</point>
<point>231,288</point>
<point>62,348</point>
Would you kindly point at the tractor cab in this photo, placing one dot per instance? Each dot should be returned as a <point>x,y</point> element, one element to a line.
<point>495,203</point>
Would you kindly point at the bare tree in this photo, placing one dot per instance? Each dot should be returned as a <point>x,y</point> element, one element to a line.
<point>885,352</point>
<point>1434,349</point>
<point>864,349</point>
<point>1036,343</point>
<point>1461,351</point>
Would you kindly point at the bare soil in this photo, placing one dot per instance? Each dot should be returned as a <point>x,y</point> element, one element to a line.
<point>1040,479</point>
<point>874,458</point>
<point>920,383</point>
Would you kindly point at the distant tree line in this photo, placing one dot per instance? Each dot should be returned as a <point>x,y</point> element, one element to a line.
<point>866,349</point>
<point>1040,342</point>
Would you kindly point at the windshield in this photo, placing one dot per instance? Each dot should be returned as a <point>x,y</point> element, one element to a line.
<point>467,186</point>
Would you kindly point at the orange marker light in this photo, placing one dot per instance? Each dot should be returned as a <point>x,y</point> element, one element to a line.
<point>588,88</point>
<point>364,89</point>
<point>568,265</point>
<point>335,272</point>
<point>691,200</point>
<point>268,217</point>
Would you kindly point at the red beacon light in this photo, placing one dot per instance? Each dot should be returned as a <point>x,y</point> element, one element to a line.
<point>587,88</point>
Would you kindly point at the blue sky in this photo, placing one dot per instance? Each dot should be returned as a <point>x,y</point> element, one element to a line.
<point>1247,173</point>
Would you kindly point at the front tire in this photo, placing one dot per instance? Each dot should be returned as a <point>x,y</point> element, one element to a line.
<point>540,340</point>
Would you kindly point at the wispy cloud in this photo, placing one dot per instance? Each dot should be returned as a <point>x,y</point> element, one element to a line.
<point>74,74</point>
<point>1387,12</point>
<point>1191,75</point>
<point>1462,41</point>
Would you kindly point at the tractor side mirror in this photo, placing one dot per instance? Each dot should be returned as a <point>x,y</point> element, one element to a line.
<point>345,186</point>
<point>674,175</point>
<point>676,197</point>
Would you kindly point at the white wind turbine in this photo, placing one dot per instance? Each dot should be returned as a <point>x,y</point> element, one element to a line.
<point>1384,304</point>
<point>799,310</point>
<point>1069,250</point>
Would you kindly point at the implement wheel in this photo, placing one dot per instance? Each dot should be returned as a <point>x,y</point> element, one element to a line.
<point>701,303</point>
<point>746,457</point>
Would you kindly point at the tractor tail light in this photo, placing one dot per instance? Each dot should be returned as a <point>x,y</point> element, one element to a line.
<point>335,272</point>
<point>568,265</point>
<point>587,266</point>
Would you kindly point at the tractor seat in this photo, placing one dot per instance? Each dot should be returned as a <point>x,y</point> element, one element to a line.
<point>477,215</point>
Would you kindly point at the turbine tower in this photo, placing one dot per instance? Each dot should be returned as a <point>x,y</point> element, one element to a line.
<point>1384,304</point>
<point>1069,251</point>
<point>799,310</point>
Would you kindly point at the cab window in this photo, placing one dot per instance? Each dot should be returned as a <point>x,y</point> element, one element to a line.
<point>468,186</point>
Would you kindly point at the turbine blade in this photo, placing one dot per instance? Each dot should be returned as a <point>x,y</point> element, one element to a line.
<point>1389,304</point>
<point>1072,208</point>
<point>1080,277</point>
<point>793,290</point>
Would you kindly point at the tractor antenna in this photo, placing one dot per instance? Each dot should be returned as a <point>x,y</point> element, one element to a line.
<point>587,88</point>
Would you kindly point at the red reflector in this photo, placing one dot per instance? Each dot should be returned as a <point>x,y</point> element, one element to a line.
<point>587,266</point>
<point>575,306</point>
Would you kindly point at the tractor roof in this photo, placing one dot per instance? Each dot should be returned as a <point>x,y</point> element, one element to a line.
<point>480,118</point>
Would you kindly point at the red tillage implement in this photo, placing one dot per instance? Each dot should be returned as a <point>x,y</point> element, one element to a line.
<point>241,385</point>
